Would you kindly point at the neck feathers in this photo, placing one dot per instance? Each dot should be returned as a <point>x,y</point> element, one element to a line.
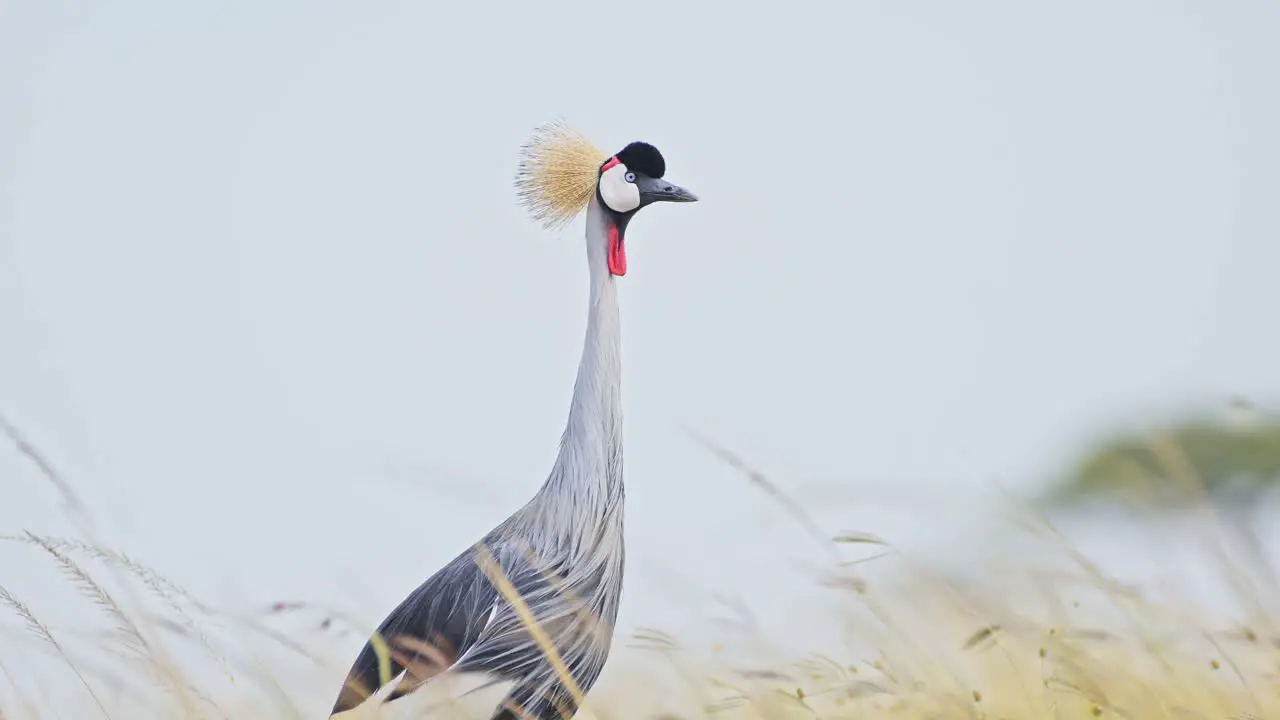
<point>587,476</point>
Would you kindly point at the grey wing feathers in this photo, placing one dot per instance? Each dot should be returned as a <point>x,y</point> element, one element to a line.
<point>574,611</point>
<point>459,612</point>
<point>561,608</point>
<point>426,633</point>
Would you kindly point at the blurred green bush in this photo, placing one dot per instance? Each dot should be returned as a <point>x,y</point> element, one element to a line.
<point>1233,460</point>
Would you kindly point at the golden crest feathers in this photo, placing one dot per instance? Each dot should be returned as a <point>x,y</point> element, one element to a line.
<point>557,173</point>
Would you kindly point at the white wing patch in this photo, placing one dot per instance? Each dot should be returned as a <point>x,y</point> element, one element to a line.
<point>620,195</point>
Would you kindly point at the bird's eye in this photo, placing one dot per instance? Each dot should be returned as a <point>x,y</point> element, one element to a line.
<point>630,177</point>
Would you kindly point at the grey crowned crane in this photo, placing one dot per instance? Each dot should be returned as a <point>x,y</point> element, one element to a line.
<point>534,602</point>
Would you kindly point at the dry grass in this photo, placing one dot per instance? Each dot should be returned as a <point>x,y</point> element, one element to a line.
<point>1032,643</point>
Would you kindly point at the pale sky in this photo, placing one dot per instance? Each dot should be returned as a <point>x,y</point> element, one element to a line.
<point>268,301</point>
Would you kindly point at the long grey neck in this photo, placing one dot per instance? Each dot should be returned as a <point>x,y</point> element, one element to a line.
<point>585,485</point>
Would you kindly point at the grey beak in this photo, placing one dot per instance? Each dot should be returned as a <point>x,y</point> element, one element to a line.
<point>658,190</point>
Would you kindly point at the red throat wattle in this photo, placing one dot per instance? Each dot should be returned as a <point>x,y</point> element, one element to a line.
<point>617,252</point>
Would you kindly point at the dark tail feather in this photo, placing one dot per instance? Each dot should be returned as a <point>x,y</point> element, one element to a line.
<point>424,635</point>
<point>364,679</point>
<point>418,659</point>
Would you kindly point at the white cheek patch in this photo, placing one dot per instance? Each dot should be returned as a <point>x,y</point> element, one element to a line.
<point>620,195</point>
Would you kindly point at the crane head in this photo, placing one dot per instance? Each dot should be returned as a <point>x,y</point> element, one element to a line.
<point>561,171</point>
<point>630,180</point>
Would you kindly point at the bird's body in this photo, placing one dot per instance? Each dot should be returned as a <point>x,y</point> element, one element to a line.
<point>562,553</point>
